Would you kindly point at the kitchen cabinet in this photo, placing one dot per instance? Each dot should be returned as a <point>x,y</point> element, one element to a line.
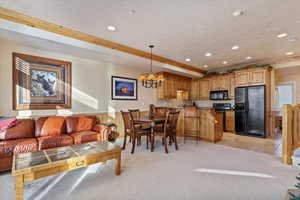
<point>219,83</point>
<point>242,78</point>
<point>251,77</point>
<point>171,84</point>
<point>258,77</point>
<point>214,84</point>
<point>199,89</point>
<point>195,89</point>
<point>203,123</point>
<point>224,82</point>
<point>231,90</point>
<point>204,88</point>
<point>229,121</point>
<point>211,125</point>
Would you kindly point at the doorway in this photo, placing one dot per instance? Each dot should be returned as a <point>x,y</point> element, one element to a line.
<point>285,94</point>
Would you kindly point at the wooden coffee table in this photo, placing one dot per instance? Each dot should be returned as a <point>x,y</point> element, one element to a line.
<point>40,164</point>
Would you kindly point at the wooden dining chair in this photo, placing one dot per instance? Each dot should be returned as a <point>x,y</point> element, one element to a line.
<point>135,132</point>
<point>160,111</point>
<point>169,130</point>
<point>135,113</point>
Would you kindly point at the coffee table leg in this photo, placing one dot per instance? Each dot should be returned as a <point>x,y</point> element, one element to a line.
<point>118,165</point>
<point>19,187</point>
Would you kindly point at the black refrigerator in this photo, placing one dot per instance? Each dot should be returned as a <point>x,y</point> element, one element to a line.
<point>250,111</point>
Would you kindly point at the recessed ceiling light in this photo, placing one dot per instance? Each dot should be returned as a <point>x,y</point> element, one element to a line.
<point>235,47</point>
<point>131,12</point>
<point>225,62</point>
<point>111,28</point>
<point>188,59</point>
<point>282,35</point>
<point>208,54</point>
<point>248,58</point>
<point>289,53</point>
<point>238,13</point>
<point>205,66</point>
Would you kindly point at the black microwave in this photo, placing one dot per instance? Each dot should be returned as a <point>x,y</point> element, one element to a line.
<point>219,95</point>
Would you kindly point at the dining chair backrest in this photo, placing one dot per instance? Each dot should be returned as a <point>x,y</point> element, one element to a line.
<point>171,120</point>
<point>161,111</point>
<point>135,113</point>
<point>128,123</point>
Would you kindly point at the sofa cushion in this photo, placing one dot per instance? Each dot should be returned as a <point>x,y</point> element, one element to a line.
<point>50,126</point>
<point>54,141</point>
<point>24,129</point>
<point>10,147</point>
<point>27,145</point>
<point>85,136</point>
<point>80,123</point>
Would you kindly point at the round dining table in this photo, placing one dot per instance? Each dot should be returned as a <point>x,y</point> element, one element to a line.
<point>152,121</point>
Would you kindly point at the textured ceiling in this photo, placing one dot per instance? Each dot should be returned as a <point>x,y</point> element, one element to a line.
<point>181,29</point>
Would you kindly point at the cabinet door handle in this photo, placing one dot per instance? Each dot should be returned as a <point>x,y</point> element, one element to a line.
<point>79,163</point>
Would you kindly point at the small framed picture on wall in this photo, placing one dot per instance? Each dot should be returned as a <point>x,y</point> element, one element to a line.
<point>123,88</point>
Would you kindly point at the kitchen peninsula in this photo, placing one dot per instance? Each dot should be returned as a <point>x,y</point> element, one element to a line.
<point>201,124</point>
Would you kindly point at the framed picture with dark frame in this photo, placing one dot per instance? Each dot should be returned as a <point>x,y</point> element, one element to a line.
<point>123,88</point>
<point>41,83</point>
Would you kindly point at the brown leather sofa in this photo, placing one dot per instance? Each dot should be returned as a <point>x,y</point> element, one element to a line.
<point>49,132</point>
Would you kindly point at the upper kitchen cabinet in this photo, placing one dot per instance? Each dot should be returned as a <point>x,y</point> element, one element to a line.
<point>231,86</point>
<point>256,76</point>
<point>172,84</point>
<point>214,84</point>
<point>242,78</point>
<point>195,89</point>
<point>224,82</point>
<point>204,88</point>
<point>219,83</point>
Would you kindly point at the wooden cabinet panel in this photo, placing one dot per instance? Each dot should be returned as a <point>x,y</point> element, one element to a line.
<point>231,89</point>
<point>258,77</point>
<point>195,90</point>
<point>171,84</point>
<point>230,123</point>
<point>160,91</point>
<point>204,89</point>
<point>214,84</point>
<point>211,125</point>
<point>172,89</point>
<point>224,83</point>
<point>242,78</point>
<point>219,83</point>
<point>204,125</point>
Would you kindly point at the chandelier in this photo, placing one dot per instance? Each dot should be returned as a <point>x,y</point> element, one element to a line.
<point>151,80</point>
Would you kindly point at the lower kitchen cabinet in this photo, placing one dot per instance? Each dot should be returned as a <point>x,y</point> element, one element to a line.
<point>229,121</point>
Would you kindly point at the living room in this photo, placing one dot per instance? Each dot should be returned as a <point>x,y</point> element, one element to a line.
<point>190,96</point>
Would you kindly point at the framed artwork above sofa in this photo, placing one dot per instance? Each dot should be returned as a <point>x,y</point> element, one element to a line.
<point>41,83</point>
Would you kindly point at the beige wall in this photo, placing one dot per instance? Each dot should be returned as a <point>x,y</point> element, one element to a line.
<point>91,85</point>
<point>289,74</point>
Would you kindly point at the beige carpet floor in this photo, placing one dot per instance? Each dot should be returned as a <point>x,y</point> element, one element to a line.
<point>197,171</point>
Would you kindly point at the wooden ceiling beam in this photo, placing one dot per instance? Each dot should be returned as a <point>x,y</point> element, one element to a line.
<point>20,18</point>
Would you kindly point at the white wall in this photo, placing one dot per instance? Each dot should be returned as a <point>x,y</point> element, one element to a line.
<point>91,84</point>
